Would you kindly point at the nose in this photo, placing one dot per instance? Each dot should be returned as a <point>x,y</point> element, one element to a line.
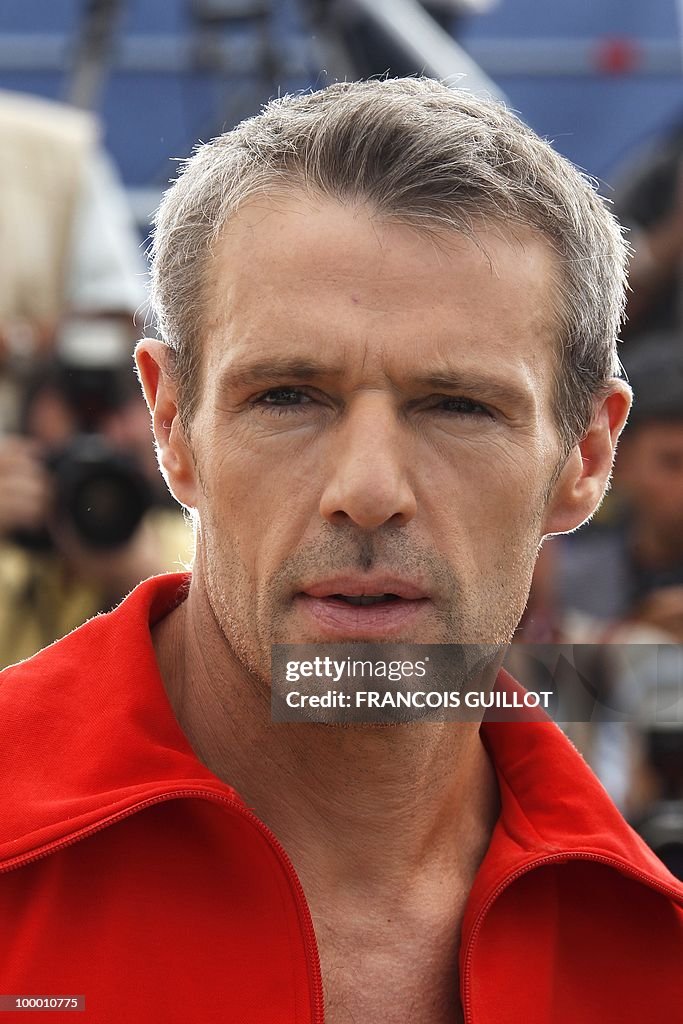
<point>369,484</point>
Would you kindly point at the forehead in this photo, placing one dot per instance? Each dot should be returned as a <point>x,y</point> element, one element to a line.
<point>321,277</point>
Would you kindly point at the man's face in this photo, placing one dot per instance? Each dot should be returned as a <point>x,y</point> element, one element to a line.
<point>649,470</point>
<point>375,418</point>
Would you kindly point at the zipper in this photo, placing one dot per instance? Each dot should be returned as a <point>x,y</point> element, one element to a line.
<point>305,919</point>
<point>310,941</point>
<point>612,862</point>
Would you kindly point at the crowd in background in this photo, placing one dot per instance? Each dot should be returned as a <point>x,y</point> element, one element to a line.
<point>615,587</point>
<point>84,514</point>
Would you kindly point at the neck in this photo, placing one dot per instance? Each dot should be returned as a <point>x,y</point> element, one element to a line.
<point>333,795</point>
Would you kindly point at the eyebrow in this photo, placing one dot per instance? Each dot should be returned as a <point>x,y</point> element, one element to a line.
<point>277,369</point>
<point>505,392</point>
<point>281,369</point>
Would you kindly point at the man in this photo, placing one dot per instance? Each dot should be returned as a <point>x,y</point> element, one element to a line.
<point>650,201</point>
<point>70,252</point>
<point>638,555</point>
<point>70,246</point>
<point>620,582</point>
<point>72,279</point>
<point>389,370</point>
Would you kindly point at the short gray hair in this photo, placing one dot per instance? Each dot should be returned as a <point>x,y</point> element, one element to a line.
<point>421,153</point>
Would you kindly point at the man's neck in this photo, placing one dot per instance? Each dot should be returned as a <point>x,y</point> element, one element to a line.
<point>364,808</point>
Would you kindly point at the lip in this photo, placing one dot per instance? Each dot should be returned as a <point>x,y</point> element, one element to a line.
<point>355,586</point>
<point>340,621</point>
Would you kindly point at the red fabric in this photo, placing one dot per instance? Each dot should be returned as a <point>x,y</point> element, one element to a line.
<point>130,874</point>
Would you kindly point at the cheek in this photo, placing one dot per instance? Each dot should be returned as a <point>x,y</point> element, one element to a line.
<point>485,500</point>
<point>256,505</point>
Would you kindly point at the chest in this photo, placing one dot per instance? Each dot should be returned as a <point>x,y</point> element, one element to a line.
<point>393,979</point>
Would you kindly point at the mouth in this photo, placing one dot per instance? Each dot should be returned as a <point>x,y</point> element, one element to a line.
<point>352,610</point>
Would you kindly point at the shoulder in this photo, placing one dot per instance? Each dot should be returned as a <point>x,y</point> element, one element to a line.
<point>46,119</point>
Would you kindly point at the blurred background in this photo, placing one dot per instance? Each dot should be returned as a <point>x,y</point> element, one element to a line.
<point>100,98</point>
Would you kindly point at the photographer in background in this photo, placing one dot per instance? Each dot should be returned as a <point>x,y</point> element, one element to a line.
<point>68,245</point>
<point>82,517</point>
<point>619,583</point>
<point>650,202</point>
<point>630,569</point>
<point>72,279</point>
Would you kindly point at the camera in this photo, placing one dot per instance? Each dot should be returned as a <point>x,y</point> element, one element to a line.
<point>101,492</point>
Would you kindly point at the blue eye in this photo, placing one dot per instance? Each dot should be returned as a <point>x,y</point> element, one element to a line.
<point>277,400</point>
<point>463,407</point>
<point>280,401</point>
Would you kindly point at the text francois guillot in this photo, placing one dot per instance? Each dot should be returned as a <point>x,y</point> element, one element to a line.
<point>393,671</point>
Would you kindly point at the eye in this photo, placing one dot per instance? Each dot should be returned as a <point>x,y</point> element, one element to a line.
<point>278,400</point>
<point>459,406</point>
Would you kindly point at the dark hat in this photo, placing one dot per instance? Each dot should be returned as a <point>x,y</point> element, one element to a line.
<point>654,366</point>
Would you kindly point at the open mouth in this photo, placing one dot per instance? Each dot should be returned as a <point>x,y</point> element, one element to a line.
<point>370,616</point>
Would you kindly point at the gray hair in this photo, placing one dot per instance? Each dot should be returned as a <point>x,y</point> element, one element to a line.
<point>420,153</point>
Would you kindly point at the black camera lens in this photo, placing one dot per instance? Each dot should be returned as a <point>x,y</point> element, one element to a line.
<point>101,492</point>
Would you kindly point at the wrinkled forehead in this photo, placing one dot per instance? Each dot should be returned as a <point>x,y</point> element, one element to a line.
<point>282,251</point>
<point>342,279</point>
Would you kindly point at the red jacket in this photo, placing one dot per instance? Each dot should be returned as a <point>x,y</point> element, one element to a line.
<point>131,875</point>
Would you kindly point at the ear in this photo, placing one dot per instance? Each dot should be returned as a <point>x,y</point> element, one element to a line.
<point>584,479</point>
<point>173,450</point>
